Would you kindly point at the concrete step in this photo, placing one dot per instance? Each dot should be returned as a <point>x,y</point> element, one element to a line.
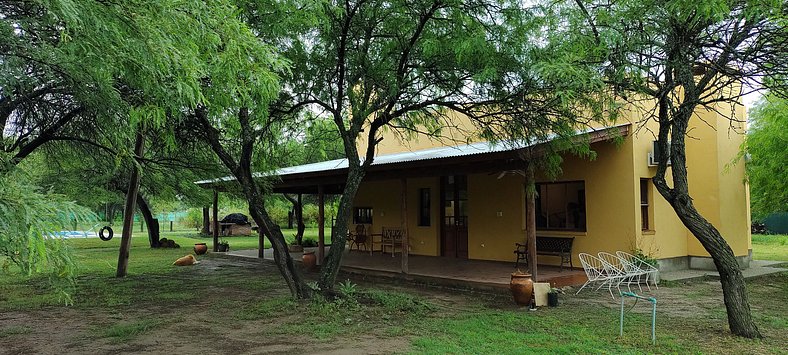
<point>757,268</point>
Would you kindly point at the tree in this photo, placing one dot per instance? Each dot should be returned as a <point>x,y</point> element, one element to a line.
<point>27,217</point>
<point>767,160</point>
<point>406,65</point>
<point>97,173</point>
<point>684,56</point>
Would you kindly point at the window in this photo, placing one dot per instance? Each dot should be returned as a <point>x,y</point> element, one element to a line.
<point>645,205</point>
<point>362,215</point>
<point>424,207</point>
<point>561,206</point>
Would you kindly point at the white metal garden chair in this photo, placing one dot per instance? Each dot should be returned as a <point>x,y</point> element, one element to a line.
<point>595,270</point>
<point>632,274</point>
<point>648,270</point>
<point>616,274</point>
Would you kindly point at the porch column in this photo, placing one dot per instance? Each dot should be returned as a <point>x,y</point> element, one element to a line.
<point>404,225</point>
<point>260,243</point>
<point>530,218</point>
<point>321,223</point>
<point>215,220</point>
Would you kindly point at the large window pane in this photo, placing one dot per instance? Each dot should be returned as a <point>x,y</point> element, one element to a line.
<point>561,206</point>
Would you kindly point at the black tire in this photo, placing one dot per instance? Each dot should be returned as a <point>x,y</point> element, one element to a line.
<point>109,236</point>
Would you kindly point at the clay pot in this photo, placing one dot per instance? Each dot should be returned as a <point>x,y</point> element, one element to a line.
<point>309,260</point>
<point>200,248</point>
<point>522,287</point>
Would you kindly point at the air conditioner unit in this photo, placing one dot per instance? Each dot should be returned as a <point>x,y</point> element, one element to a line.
<point>655,155</point>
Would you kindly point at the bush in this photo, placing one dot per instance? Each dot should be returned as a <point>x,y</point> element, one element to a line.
<point>192,219</point>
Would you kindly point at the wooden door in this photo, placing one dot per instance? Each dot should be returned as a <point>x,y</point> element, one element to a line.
<point>454,216</point>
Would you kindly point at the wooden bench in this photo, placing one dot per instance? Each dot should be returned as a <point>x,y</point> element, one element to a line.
<point>554,246</point>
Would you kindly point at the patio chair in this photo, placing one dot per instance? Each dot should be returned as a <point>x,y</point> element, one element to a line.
<point>595,271</point>
<point>358,238</point>
<point>521,250</point>
<point>615,271</point>
<point>392,237</point>
<point>647,269</point>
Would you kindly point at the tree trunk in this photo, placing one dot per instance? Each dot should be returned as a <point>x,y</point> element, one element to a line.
<point>206,221</point>
<point>734,289</point>
<point>298,215</point>
<point>215,227</point>
<point>153,224</point>
<point>241,170</point>
<point>282,258</point>
<point>128,211</point>
<point>330,269</point>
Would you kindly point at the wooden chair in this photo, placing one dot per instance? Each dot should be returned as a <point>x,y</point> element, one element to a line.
<point>392,238</point>
<point>358,238</point>
<point>521,250</point>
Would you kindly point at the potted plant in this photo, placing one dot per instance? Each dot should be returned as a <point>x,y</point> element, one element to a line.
<point>224,246</point>
<point>296,245</point>
<point>552,297</point>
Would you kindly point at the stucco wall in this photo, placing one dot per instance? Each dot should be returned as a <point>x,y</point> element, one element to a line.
<point>496,215</point>
<point>385,199</point>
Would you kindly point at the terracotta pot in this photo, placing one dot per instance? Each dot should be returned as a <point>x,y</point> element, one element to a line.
<point>200,248</point>
<point>309,260</point>
<point>522,287</point>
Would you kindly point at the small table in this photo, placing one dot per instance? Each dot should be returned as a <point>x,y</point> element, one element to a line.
<point>372,242</point>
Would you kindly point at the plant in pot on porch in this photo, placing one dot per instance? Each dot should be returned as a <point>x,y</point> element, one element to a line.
<point>224,246</point>
<point>296,246</point>
<point>552,297</point>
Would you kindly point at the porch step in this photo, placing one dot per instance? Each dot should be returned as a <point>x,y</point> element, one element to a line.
<point>756,269</point>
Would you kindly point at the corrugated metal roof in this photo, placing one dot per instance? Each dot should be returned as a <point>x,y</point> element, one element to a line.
<point>426,154</point>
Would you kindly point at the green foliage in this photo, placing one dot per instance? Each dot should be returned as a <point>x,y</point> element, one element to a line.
<point>765,148</point>
<point>193,218</point>
<point>309,243</point>
<point>648,259</point>
<point>347,288</point>
<point>27,217</point>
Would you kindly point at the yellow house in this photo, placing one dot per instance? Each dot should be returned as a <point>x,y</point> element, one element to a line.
<point>467,201</point>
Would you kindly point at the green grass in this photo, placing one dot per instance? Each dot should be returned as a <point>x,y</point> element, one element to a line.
<point>14,330</point>
<point>252,297</point>
<point>770,247</point>
<point>124,331</point>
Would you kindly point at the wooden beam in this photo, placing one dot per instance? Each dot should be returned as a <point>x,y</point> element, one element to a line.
<point>128,212</point>
<point>530,217</point>
<point>321,224</point>
<point>215,220</point>
<point>404,224</point>
<point>260,243</point>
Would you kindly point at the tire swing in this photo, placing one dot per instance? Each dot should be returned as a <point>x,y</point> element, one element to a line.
<point>108,236</point>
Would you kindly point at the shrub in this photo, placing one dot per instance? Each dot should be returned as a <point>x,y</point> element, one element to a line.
<point>192,219</point>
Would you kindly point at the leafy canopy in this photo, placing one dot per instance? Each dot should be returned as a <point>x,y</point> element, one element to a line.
<point>766,145</point>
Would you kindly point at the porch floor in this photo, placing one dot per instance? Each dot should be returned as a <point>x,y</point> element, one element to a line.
<point>433,268</point>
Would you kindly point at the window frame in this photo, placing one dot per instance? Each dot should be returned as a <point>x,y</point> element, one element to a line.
<point>646,206</point>
<point>425,207</point>
<point>363,218</point>
<point>581,203</point>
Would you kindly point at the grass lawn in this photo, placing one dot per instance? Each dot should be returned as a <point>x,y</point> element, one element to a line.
<point>770,247</point>
<point>231,306</point>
